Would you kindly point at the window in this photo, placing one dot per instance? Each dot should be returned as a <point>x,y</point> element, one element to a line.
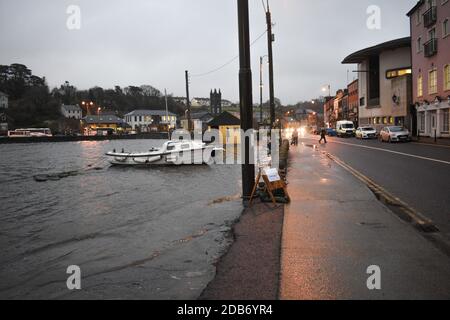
<point>432,82</point>
<point>420,86</point>
<point>390,74</point>
<point>432,34</point>
<point>447,77</point>
<point>445,121</point>
<point>419,45</point>
<point>419,16</point>
<point>445,31</point>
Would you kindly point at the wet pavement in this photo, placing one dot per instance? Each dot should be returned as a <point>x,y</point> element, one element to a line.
<point>152,233</point>
<point>335,229</point>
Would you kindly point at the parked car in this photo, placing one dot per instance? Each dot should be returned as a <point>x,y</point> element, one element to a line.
<point>395,134</point>
<point>331,132</point>
<point>366,133</point>
<point>345,128</point>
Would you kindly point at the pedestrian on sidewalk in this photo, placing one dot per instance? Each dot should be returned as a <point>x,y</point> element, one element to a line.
<point>295,138</point>
<point>323,136</point>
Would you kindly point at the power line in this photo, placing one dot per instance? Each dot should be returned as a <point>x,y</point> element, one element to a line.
<point>227,63</point>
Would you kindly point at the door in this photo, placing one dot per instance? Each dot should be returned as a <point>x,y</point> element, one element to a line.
<point>433,124</point>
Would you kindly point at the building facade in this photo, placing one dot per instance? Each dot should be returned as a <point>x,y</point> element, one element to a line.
<point>385,84</point>
<point>353,103</point>
<point>151,120</point>
<point>199,120</point>
<point>3,100</point>
<point>430,41</point>
<point>102,125</point>
<point>72,112</point>
<point>216,102</point>
<point>328,113</point>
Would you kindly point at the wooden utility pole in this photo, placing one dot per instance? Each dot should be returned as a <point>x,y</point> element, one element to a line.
<point>270,40</point>
<point>188,102</point>
<point>245,94</point>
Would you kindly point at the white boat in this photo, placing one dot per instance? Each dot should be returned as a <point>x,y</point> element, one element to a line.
<point>171,153</point>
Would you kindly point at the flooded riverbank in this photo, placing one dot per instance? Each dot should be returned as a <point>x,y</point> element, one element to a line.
<point>135,233</point>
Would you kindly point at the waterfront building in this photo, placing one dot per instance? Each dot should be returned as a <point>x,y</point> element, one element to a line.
<point>385,84</point>
<point>102,124</point>
<point>199,120</point>
<point>430,42</point>
<point>3,100</point>
<point>151,120</point>
<point>72,112</point>
<point>229,127</point>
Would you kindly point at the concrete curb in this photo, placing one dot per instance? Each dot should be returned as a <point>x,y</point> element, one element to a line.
<point>407,213</point>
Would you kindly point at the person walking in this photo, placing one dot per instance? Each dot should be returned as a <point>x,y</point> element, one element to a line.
<point>295,138</point>
<point>323,136</point>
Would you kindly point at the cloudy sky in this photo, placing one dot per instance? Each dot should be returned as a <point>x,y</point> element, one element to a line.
<point>153,41</point>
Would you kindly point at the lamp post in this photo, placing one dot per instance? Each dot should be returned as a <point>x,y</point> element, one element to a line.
<point>87,104</point>
<point>245,94</point>
<point>261,86</point>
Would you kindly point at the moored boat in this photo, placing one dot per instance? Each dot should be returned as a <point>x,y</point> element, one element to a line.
<point>171,153</point>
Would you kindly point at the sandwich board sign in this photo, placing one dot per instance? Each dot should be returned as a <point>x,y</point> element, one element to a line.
<point>272,181</point>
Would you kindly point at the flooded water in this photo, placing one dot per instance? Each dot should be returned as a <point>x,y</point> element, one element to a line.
<point>150,233</point>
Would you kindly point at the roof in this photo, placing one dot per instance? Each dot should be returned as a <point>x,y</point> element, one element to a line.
<point>362,55</point>
<point>225,119</point>
<point>103,119</point>
<point>199,116</point>
<point>71,107</point>
<point>417,6</point>
<point>149,113</point>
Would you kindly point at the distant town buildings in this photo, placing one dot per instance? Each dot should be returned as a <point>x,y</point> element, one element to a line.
<point>3,115</point>
<point>384,85</point>
<point>72,112</point>
<point>151,120</point>
<point>430,37</point>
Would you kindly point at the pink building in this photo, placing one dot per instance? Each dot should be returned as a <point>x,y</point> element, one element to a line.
<point>430,37</point>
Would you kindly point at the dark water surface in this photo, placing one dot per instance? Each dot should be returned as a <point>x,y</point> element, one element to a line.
<point>150,233</point>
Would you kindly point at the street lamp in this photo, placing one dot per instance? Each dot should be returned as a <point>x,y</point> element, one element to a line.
<point>324,89</point>
<point>87,104</point>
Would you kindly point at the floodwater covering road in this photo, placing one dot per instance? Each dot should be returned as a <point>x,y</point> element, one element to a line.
<point>150,233</point>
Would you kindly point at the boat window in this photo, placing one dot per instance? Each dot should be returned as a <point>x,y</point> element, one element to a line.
<point>170,147</point>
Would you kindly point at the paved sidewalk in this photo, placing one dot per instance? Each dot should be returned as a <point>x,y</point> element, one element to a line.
<point>334,229</point>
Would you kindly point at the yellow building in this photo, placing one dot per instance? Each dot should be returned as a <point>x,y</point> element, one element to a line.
<point>229,127</point>
<point>102,124</point>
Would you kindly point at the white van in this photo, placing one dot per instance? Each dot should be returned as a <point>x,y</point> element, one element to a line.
<point>345,128</point>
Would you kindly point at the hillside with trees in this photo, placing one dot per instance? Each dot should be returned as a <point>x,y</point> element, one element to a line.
<point>33,104</point>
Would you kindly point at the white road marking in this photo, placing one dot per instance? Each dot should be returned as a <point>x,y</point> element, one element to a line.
<point>391,151</point>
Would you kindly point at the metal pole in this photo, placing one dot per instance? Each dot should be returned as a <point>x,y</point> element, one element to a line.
<point>188,102</point>
<point>167,114</point>
<point>245,93</point>
<point>261,89</point>
<point>270,39</point>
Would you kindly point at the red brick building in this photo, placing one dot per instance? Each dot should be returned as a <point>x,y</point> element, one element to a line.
<point>353,102</point>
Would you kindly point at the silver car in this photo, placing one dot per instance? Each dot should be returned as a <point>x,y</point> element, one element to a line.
<point>395,134</point>
<point>366,133</point>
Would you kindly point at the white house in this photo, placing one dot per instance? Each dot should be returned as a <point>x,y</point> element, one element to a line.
<point>150,120</point>
<point>72,112</point>
<point>385,84</point>
<point>3,100</point>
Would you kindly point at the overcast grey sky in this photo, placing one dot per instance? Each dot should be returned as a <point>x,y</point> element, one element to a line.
<point>153,41</point>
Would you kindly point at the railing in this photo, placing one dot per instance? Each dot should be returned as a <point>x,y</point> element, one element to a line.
<point>430,17</point>
<point>430,48</point>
